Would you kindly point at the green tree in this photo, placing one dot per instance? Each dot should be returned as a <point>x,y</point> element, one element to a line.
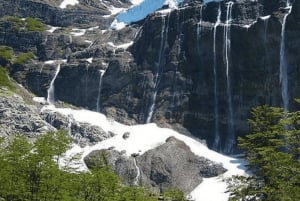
<point>13,167</point>
<point>272,151</point>
<point>174,194</point>
<point>30,172</point>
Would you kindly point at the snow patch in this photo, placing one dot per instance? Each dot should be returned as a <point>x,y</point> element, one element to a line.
<point>140,10</point>
<point>116,25</point>
<point>113,10</point>
<point>90,60</point>
<point>93,28</point>
<point>135,2</point>
<point>265,17</point>
<point>122,46</point>
<point>65,3</point>
<point>52,29</point>
<point>50,62</point>
<point>78,32</point>
<point>41,100</point>
<point>88,41</point>
<point>143,138</point>
<point>247,26</point>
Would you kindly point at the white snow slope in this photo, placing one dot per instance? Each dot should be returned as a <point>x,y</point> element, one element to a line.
<point>145,137</point>
<point>142,8</point>
<point>140,11</point>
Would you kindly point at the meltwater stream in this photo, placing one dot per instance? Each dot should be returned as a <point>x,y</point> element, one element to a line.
<point>283,77</point>
<point>231,134</point>
<point>199,23</point>
<point>101,73</point>
<point>164,34</point>
<point>216,104</point>
<point>136,180</point>
<point>50,91</point>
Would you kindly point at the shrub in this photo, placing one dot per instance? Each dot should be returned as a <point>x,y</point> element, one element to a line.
<point>16,21</point>
<point>4,80</point>
<point>33,24</point>
<point>23,58</point>
<point>6,52</point>
<point>29,24</point>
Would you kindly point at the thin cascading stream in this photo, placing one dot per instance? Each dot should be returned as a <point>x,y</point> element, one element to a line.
<point>164,33</point>
<point>136,180</point>
<point>216,104</point>
<point>50,91</point>
<point>231,135</point>
<point>101,73</point>
<point>283,77</point>
<point>179,56</point>
<point>199,23</point>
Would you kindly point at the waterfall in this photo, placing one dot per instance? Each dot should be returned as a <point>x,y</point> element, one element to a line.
<point>164,33</point>
<point>283,77</point>
<point>179,56</point>
<point>199,24</point>
<point>70,122</point>
<point>231,135</point>
<point>101,72</point>
<point>216,104</point>
<point>50,96</point>
<point>136,180</point>
<point>266,23</point>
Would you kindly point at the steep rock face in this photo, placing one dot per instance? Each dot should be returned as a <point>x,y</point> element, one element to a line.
<point>171,75</point>
<point>49,13</point>
<point>183,61</point>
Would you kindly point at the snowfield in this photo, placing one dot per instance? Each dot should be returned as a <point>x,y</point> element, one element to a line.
<point>65,3</point>
<point>142,8</point>
<point>143,138</point>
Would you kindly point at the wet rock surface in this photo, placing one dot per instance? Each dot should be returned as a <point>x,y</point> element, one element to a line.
<point>176,48</point>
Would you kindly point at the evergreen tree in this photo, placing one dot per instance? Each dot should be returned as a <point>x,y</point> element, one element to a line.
<point>272,151</point>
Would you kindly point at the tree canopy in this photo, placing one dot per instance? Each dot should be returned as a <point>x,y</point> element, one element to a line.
<point>30,172</point>
<point>272,149</point>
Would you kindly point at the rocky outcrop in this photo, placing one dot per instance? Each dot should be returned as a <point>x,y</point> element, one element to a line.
<point>50,13</point>
<point>169,165</point>
<point>173,164</point>
<point>82,133</point>
<point>123,166</point>
<point>19,116</point>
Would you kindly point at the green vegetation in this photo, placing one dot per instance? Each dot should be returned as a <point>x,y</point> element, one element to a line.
<point>16,21</point>
<point>6,53</point>
<point>22,58</point>
<point>30,172</point>
<point>174,194</point>
<point>273,151</point>
<point>4,80</point>
<point>33,24</point>
<point>29,24</point>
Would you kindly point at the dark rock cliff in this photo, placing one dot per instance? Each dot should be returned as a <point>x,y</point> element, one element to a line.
<point>51,14</point>
<point>172,69</point>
